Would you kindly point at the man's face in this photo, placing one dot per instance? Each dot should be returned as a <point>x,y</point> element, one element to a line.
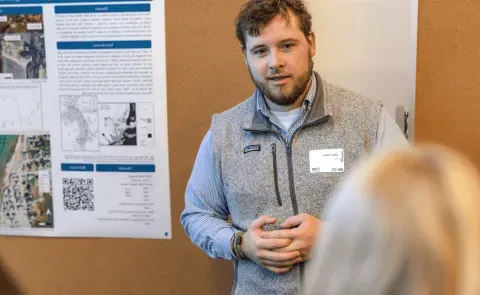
<point>280,60</point>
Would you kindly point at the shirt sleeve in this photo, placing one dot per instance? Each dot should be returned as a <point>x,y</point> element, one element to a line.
<point>205,217</point>
<point>389,134</point>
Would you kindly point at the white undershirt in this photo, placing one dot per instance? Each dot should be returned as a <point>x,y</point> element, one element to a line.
<point>286,119</point>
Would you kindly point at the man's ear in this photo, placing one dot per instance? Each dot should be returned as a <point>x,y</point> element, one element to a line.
<point>311,43</point>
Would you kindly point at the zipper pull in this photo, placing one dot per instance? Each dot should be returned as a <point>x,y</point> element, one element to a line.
<point>274,148</point>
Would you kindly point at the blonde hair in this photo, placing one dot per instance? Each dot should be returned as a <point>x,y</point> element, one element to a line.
<point>405,222</point>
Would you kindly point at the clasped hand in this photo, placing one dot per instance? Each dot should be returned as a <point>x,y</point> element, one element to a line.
<point>279,250</point>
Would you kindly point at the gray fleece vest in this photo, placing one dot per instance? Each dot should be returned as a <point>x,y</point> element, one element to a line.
<point>264,175</point>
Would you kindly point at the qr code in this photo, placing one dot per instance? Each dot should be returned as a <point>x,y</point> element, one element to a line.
<point>78,194</point>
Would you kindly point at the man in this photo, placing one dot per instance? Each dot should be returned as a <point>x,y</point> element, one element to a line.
<point>271,162</point>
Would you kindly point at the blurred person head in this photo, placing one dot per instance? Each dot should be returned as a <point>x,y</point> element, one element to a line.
<point>405,222</point>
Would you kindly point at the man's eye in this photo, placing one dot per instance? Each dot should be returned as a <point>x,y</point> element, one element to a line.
<point>259,51</point>
<point>287,46</point>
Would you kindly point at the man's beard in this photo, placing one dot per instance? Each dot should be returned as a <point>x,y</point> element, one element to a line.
<point>286,98</point>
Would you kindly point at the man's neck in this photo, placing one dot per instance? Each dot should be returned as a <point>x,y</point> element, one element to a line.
<point>298,103</point>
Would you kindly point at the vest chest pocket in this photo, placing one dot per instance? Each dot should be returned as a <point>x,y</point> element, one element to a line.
<point>252,180</point>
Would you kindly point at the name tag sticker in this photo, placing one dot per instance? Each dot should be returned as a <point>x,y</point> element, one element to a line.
<point>324,161</point>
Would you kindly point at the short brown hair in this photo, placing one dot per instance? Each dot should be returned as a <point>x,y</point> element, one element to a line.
<point>256,14</point>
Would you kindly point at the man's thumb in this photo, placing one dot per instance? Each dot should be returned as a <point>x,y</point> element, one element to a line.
<point>292,222</point>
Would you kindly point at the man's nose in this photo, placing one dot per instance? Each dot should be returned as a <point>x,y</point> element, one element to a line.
<point>276,60</point>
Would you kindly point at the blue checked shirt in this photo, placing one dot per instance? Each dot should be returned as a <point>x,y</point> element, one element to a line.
<point>205,216</point>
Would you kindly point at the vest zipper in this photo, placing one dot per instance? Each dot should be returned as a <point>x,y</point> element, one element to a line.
<point>293,197</point>
<point>292,184</point>
<point>290,179</point>
<point>275,173</point>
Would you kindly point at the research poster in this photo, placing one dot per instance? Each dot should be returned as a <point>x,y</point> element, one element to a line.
<point>83,119</point>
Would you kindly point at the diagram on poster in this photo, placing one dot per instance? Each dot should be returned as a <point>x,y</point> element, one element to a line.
<point>20,108</point>
<point>22,47</point>
<point>126,124</point>
<point>25,181</point>
<point>79,123</point>
<point>118,124</point>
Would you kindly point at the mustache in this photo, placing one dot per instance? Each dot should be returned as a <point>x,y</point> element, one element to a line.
<point>276,76</point>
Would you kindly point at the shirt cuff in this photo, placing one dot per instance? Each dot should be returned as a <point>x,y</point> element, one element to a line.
<point>223,239</point>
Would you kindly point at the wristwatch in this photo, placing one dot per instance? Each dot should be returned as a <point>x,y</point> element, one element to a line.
<point>236,245</point>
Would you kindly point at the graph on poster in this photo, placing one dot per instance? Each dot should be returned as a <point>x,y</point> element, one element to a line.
<point>20,108</point>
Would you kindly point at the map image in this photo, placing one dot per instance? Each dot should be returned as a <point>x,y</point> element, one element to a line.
<point>25,181</point>
<point>79,123</point>
<point>118,124</point>
<point>20,108</point>
<point>22,47</point>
